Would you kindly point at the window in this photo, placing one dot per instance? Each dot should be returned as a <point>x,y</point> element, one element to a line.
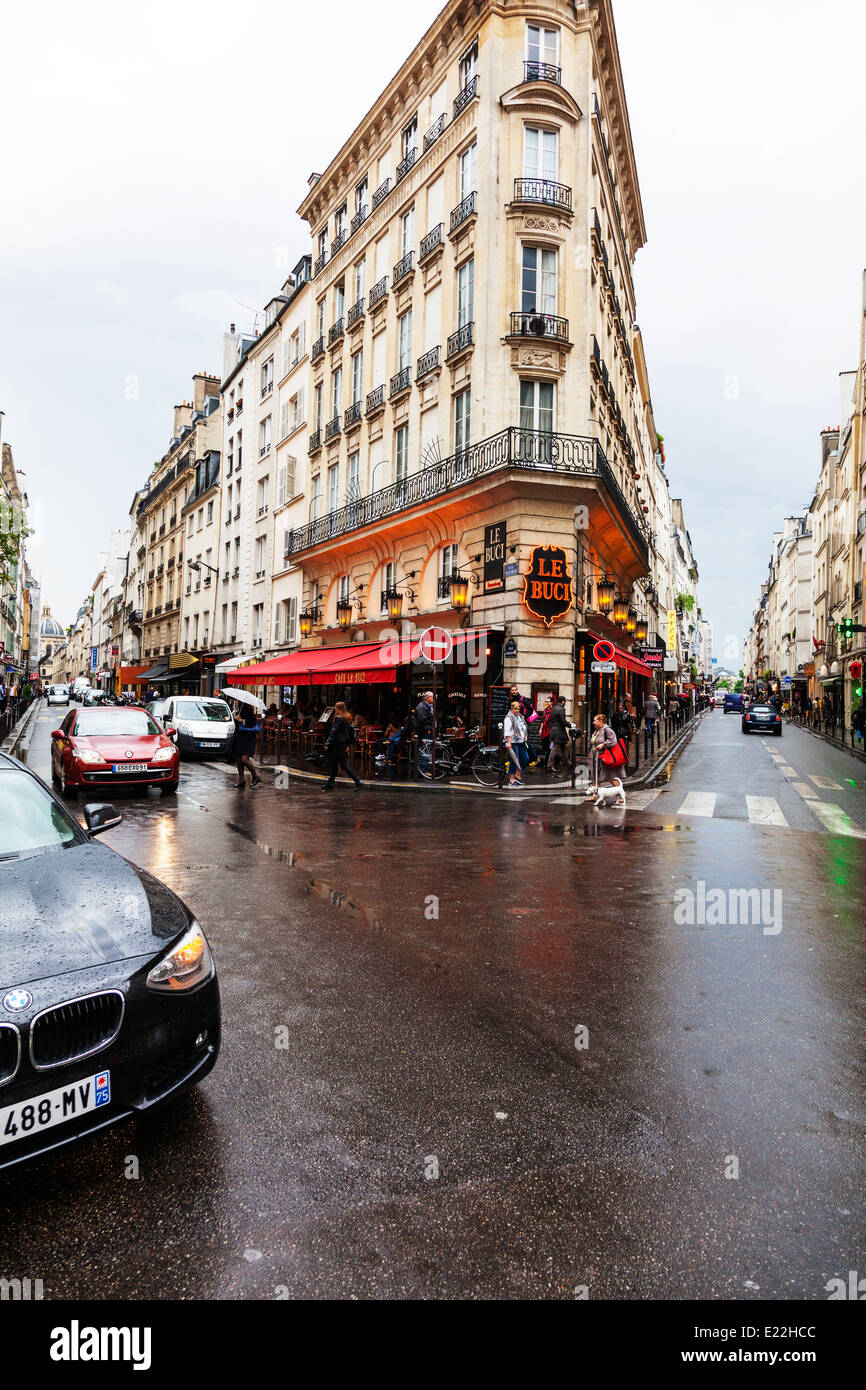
<point>225,622</point>
<point>388,578</point>
<point>462,414</point>
<point>265,435</point>
<point>234,623</point>
<point>317,413</point>
<point>262,496</point>
<point>228,556</point>
<point>339,300</point>
<point>360,280</point>
<point>537,411</point>
<point>353,486</point>
<point>315,496</point>
<point>323,243</point>
<point>297,405</point>
<point>260,557</point>
<point>336,391</point>
<point>290,466</point>
<point>258,618</point>
<point>285,409</point>
<point>447,567</point>
<point>401,453</point>
<point>281,485</point>
<point>267,375</point>
<point>284,620</point>
<point>469,65</point>
<point>404,325</point>
<point>409,137</point>
<point>333,487</point>
<point>468,171</point>
<point>538,281</point>
<point>240,448</point>
<point>200,518</point>
<point>357,376</point>
<point>542,45</point>
<point>209,513</point>
<point>540,154</point>
<point>340,222</point>
<point>407,232</point>
<point>361,195</point>
<point>190,523</point>
<point>320,318</point>
<point>343,589</point>
<point>465,293</point>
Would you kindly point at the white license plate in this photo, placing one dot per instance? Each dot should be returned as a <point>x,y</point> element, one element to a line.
<point>130,767</point>
<point>210,745</point>
<point>54,1107</point>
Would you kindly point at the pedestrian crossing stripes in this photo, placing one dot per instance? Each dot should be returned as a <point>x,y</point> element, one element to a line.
<point>837,821</point>
<point>765,810</point>
<point>698,804</point>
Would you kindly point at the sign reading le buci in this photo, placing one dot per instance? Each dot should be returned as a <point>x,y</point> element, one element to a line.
<point>547,583</point>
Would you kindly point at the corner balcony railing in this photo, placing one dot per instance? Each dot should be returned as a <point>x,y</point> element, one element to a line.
<point>533,71</point>
<point>321,262</point>
<point>406,164</point>
<point>545,191</point>
<point>434,132</point>
<point>339,241</point>
<point>538,325</point>
<point>379,291</point>
<point>460,340</point>
<point>401,382</point>
<point>381,192</point>
<point>428,363</point>
<point>462,100</point>
<point>464,209</point>
<point>403,267</point>
<point>335,332</point>
<point>561,455</point>
<point>315,442</point>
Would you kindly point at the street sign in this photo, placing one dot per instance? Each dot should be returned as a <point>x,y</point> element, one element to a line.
<point>603,651</point>
<point>603,668</point>
<point>510,648</point>
<point>786,680</point>
<point>435,645</point>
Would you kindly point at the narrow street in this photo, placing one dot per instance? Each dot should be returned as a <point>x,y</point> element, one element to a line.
<point>407,1104</point>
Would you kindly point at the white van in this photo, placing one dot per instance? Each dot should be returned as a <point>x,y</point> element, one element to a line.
<point>203,725</point>
<point>79,685</point>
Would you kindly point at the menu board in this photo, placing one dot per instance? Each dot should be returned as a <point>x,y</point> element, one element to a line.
<point>498,706</point>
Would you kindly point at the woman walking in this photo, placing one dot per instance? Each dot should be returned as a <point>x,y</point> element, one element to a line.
<point>515,743</point>
<point>337,746</point>
<point>606,785</point>
<point>246,730</point>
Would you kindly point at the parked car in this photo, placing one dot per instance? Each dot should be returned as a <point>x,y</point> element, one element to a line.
<point>109,1001</point>
<point>733,702</point>
<point>79,686</point>
<point>763,717</point>
<point>57,694</point>
<point>719,699</point>
<point>203,724</point>
<point>155,708</point>
<point>115,745</point>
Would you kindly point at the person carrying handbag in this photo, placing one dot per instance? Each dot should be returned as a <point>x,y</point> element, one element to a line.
<point>606,758</point>
<point>337,746</point>
<point>514,733</point>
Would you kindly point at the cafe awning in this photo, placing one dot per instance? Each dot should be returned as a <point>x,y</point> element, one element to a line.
<point>155,673</point>
<point>625,659</point>
<point>361,663</point>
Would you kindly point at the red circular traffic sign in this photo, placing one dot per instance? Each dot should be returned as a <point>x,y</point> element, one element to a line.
<point>603,651</point>
<point>435,645</point>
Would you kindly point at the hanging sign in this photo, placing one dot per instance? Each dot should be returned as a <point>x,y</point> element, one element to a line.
<point>547,584</point>
<point>494,557</point>
<point>672,630</point>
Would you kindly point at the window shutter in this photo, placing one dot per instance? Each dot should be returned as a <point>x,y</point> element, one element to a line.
<point>277,623</point>
<point>302,339</point>
<point>291,465</point>
<point>291,615</point>
<point>284,419</point>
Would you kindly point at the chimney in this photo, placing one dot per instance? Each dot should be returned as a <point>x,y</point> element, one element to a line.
<point>182,417</point>
<point>204,385</point>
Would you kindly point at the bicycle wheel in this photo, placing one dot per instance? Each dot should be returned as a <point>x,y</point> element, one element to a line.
<point>486,767</point>
<point>425,761</point>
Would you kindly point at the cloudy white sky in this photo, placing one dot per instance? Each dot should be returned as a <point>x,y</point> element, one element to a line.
<point>151,162</point>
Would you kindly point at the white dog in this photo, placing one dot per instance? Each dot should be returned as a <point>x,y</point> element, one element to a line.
<point>612,794</point>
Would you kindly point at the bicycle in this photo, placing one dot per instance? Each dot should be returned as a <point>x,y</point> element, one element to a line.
<point>481,759</point>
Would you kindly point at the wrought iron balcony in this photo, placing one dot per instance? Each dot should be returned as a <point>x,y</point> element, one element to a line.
<point>537,325</point>
<point>465,208</point>
<point>533,71</point>
<point>431,241</point>
<point>359,219</point>
<point>596,352</point>
<point>318,348</point>
<point>335,332</point>
<point>563,455</point>
<point>315,442</point>
<point>339,240</point>
<point>462,100</point>
<point>375,399</point>
<point>434,132</point>
<point>381,192</point>
<point>356,312</point>
<point>406,164</point>
<point>379,291</point>
<point>403,267</point>
<point>321,262</point>
<point>332,428</point>
<point>352,414</point>
<point>460,340</point>
<point>428,363</point>
<point>545,191</point>
<point>596,225</point>
<point>401,382</point>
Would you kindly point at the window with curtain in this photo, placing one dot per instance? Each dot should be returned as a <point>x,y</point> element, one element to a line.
<point>538,281</point>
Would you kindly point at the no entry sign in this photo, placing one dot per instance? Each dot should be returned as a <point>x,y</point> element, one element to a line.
<point>435,645</point>
<point>603,651</point>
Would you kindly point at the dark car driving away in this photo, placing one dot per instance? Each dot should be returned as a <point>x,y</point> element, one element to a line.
<point>765,718</point>
<point>109,1002</point>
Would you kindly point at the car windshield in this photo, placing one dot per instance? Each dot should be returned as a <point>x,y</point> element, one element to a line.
<point>30,818</point>
<point>115,723</point>
<point>217,711</point>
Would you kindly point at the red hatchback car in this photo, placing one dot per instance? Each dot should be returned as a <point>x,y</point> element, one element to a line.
<point>112,746</point>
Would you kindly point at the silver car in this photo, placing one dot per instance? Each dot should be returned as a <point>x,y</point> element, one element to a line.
<point>58,694</point>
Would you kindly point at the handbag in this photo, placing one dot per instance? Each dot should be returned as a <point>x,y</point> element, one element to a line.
<point>615,756</point>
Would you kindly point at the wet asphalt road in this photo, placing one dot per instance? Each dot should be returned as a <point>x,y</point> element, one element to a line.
<point>430,1128</point>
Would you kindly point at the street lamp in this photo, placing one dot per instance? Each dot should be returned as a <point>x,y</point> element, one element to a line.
<point>458,585</point>
<point>307,619</point>
<point>641,630</point>
<point>605,590</point>
<point>620,610</point>
<point>631,621</point>
<point>344,614</point>
<point>394,605</point>
<point>197,564</point>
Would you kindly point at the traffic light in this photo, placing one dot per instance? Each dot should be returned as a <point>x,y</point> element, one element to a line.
<point>847,629</point>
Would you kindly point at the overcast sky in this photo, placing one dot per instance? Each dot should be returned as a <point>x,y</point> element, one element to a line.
<point>151,162</point>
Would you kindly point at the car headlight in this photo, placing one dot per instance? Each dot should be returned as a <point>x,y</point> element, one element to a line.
<point>187,964</point>
<point>164,755</point>
<point>87,755</point>
<point>182,726</point>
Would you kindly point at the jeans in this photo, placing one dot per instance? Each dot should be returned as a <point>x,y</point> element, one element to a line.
<point>518,757</point>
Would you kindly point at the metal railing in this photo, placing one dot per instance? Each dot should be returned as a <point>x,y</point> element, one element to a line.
<point>462,100</point>
<point>378,291</point>
<point>318,348</point>
<point>321,262</point>
<point>406,164</point>
<point>562,454</point>
<point>339,241</point>
<point>375,398</point>
<point>538,325</point>
<point>351,414</point>
<point>542,191</point>
<point>434,132</point>
<point>381,192</point>
<point>356,312</point>
<point>463,338</point>
<point>464,209</point>
<point>332,427</point>
<point>428,362</point>
<point>429,243</point>
<point>358,219</point>
<point>315,441</point>
<point>403,267</point>
<point>533,71</point>
<point>401,382</point>
<point>335,331</point>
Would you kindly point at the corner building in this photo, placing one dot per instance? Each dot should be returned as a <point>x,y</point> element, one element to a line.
<point>474,387</point>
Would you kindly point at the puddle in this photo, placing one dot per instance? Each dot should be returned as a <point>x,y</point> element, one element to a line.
<point>593,830</point>
<point>357,911</point>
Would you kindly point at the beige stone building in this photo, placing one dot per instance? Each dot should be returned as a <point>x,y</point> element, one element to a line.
<point>475,390</point>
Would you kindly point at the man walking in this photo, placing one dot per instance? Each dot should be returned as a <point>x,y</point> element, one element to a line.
<point>651,712</point>
<point>425,716</point>
<point>560,752</point>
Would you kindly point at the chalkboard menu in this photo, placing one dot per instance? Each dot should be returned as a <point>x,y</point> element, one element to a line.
<point>500,703</point>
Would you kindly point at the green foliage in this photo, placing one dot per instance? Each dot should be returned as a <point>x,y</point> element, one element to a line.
<point>685,601</point>
<point>738,688</point>
<point>724,684</point>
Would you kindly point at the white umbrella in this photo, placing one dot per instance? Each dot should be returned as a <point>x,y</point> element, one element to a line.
<point>245,699</point>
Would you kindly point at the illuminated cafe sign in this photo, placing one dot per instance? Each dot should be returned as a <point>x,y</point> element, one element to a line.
<point>494,557</point>
<point>547,584</point>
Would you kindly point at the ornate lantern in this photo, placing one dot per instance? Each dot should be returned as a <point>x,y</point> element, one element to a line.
<point>641,629</point>
<point>631,621</point>
<point>459,587</point>
<point>305,623</point>
<point>620,610</point>
<point>344,614</point>
<point>394,605</point>
<point>605,591</point>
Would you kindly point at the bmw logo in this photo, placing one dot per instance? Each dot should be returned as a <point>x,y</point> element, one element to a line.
<point>16,1000</point>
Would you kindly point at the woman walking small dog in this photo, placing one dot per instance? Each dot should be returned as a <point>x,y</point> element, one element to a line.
<point>606,786</point>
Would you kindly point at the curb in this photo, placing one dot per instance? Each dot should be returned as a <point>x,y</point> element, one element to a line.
<point>377,784</point>
<point>652,772</point>
<point>13,741</point>
<point>832,742</point>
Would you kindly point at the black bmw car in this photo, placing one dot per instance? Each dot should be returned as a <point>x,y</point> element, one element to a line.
<point>109,1002</point>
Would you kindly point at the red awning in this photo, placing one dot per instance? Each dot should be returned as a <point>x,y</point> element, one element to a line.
<point>625,659</point>
<point>361,663</point>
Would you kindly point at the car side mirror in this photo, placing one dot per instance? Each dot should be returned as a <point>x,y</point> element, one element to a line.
<point>171,733</point>
<point>100,816</point>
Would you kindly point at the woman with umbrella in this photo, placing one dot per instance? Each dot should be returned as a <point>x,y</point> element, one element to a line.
<point>246,732</point>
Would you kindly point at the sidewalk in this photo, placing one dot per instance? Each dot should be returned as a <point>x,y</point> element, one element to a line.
<point>856,751</point>
<point>15,737</point>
